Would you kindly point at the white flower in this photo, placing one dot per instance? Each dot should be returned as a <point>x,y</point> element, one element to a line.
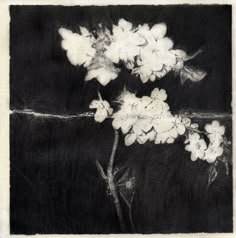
<point>187,122</point>
<point>155,58</point>
<point>78,46</point>
<point>103,75</point>
<point>159,94</point>
<point>215,133</point>
<point>128,113</point>
<point>196,146</point>
<point>165,129</point>
<point>214,129</point>
<point>103,109</point>
<point>102,68</point>
<point>169,127</point>
<point>135,115</point>
<point>165,137</point>
<point>125,43</point>
<point>213,151</point>
<point>180,124</point>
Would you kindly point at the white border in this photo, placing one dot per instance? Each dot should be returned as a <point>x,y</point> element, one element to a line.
<point>4,105</point>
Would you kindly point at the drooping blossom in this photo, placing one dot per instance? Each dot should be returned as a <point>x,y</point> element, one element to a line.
<point>101,69</point>
<point>215,134</point>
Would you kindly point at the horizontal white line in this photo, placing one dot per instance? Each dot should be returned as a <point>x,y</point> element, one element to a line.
<point>48,115</point>
<point>201,115</point>
<point>205,115</point>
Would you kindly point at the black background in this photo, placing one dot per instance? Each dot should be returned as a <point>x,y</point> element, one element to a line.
<point>55,186</point>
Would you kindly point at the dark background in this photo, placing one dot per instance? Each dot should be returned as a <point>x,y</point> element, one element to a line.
<point>55,186</point>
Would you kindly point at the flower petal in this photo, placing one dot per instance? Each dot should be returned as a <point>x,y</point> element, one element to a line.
<point>166,58</point>
<point>104,76</point>
<point>125,25</point>
<point>170,140</point>
<point>94,104</point>
<point>181,129</point>
<point>116,123</point>
<point>159,30</point>
<point>130,139</point>
<point>164,44</point>
<point>100,115</point>
<point>193,157</point>
<point>112,53</point>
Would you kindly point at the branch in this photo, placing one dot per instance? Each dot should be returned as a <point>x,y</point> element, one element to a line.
<point>112,186</point>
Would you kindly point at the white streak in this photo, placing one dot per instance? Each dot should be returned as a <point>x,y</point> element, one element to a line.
<point>48,115</point>
<point>206,115</point>
<point>200,115</point>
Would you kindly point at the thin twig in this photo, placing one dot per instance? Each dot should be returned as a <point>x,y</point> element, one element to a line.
<point>122,178</point>
<point>195,130</point>
<point>112,187</point>
<point>101,170</point>
<point>129,205</point>
<point>189,57</point>
<point>130,212</point>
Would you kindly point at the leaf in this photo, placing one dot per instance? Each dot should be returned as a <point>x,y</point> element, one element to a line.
<point>192,74</point>
<point>212,174</point>
<point>127,190</point>
<point>225,161</point>
<point>121,174</point>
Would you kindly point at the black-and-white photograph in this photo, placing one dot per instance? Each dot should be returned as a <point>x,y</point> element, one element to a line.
<point>120,119</point>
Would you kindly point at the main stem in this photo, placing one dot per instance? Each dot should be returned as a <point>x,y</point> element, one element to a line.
<point>112,186</point>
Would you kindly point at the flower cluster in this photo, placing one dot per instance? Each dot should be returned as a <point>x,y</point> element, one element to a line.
<point>144,50</point>
<point>198,146</point>
<point>148,53</point>
<point>156,57</point>
<point>147,119</point>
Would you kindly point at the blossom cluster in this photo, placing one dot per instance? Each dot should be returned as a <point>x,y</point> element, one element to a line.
<point>198,146</point>
<point>147,118</point>
<point>143,119</point>
<point>146,51</point>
